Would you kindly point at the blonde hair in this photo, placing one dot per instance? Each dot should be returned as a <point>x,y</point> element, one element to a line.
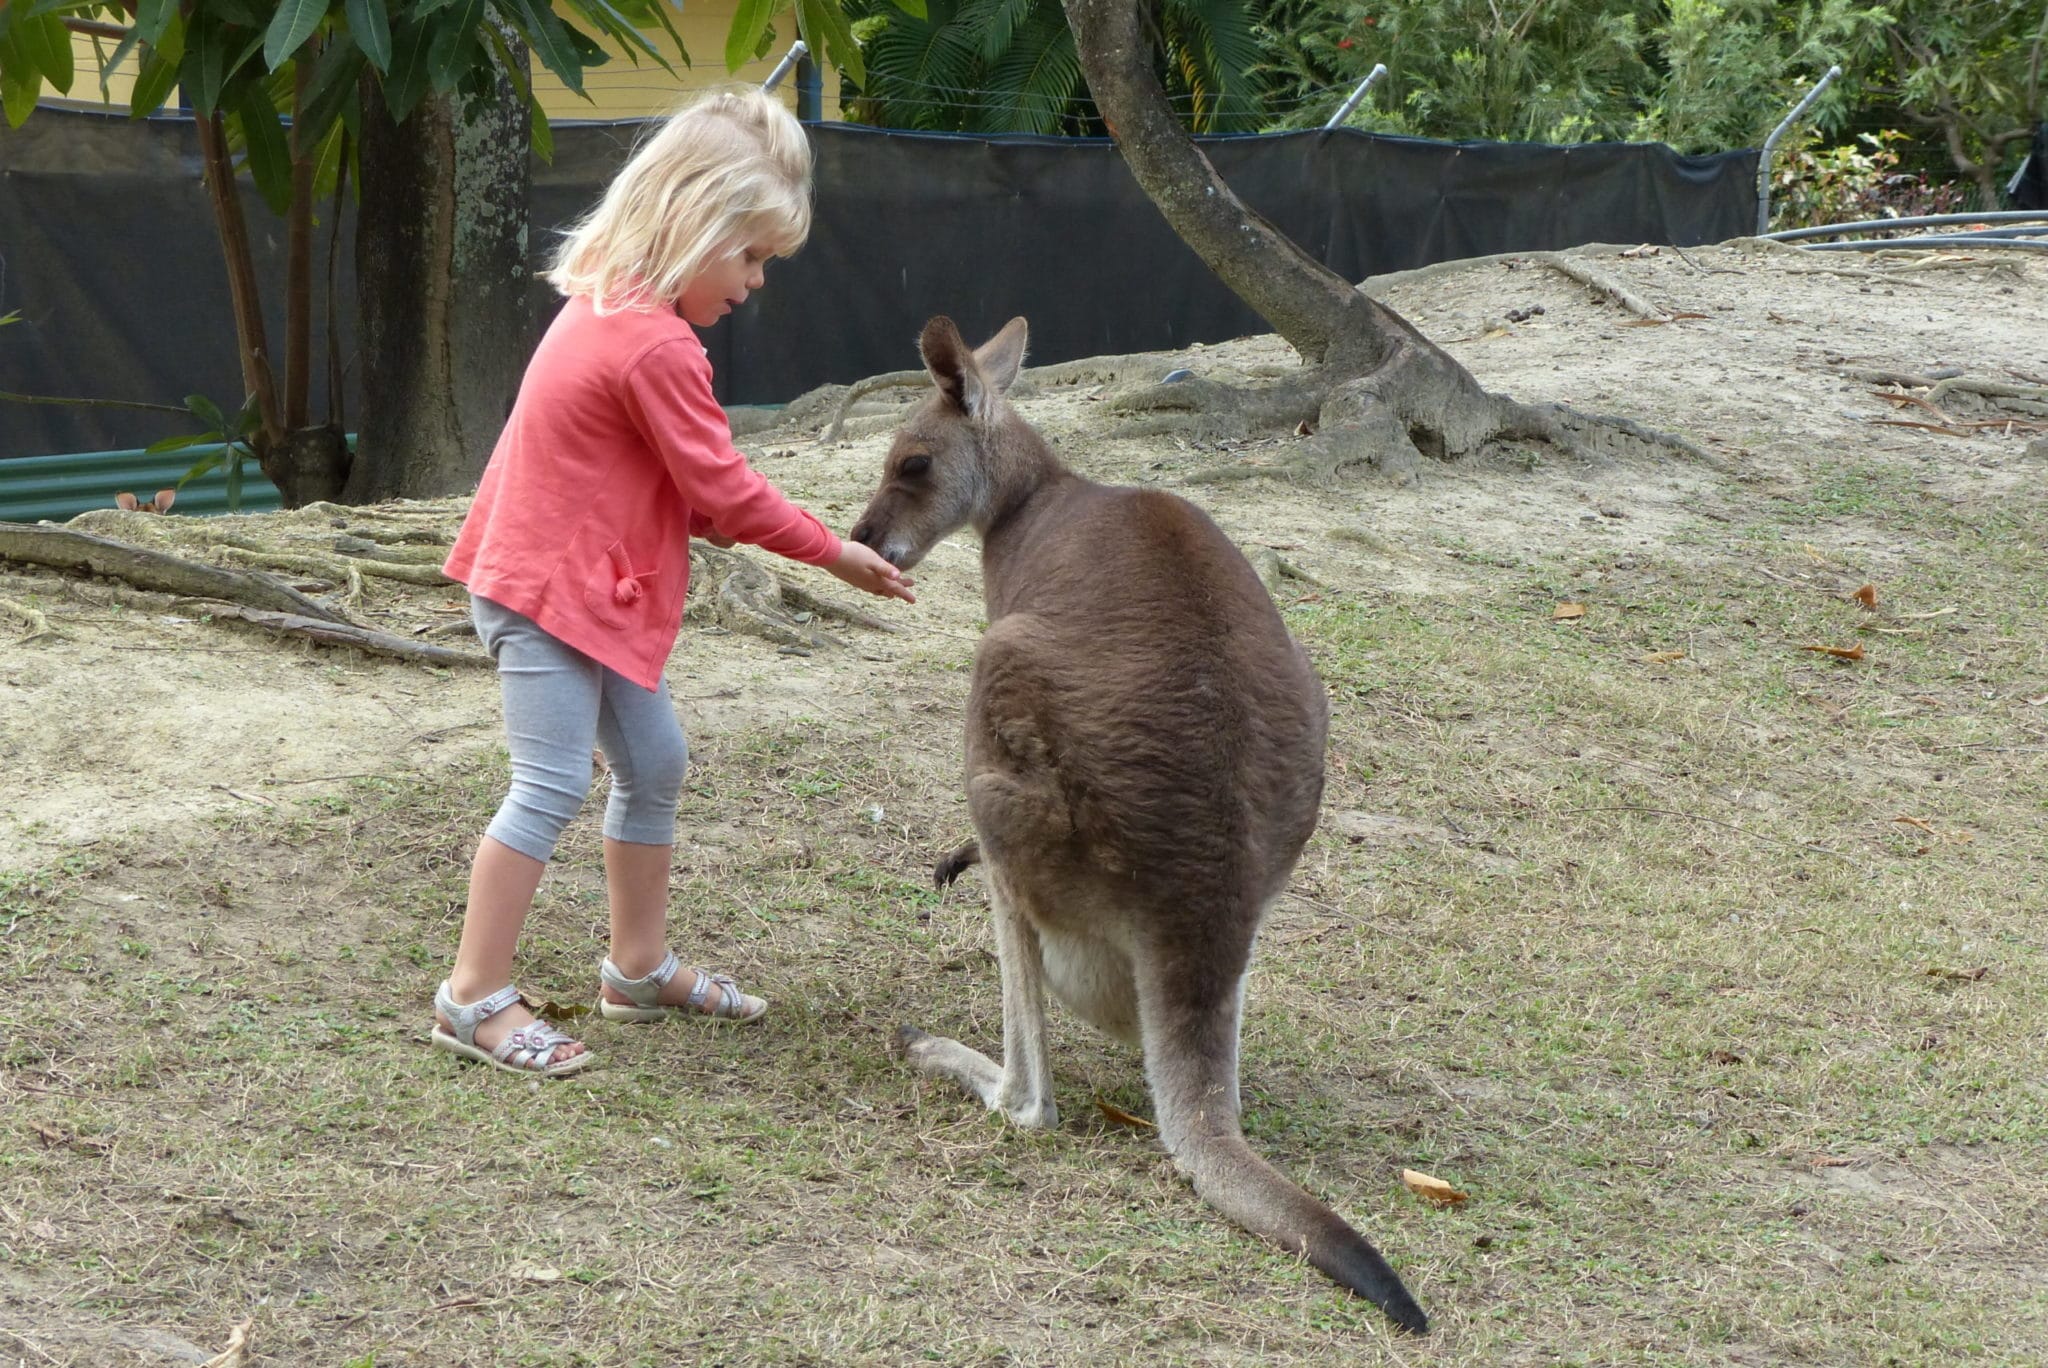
<point>730,170</point>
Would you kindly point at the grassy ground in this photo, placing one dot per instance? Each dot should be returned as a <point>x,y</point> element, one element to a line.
<point>1716,981</point>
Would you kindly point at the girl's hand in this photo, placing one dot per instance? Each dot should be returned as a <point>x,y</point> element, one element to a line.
<point>863,569</point>
<point>719,540</point>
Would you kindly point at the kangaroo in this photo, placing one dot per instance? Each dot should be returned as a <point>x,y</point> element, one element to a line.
<point>1144,761</point>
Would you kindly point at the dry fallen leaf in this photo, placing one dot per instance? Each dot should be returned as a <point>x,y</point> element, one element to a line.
<point>1830,1161</point>
<point>237,1352</point>
<point>2037,702</point>
<point>1566,611</point>
<point>1431,1189</point>
<point>1813,553</point>
<point>1117,1116</point>
<point>1927,827</point>
<point>1960,975</point>
<point>528,1273</point>
<point>1663,657</point>
<point>1838,652</point>
<point>1867,596</point>
<point>1723,1057</point>
<point>559,1011</point>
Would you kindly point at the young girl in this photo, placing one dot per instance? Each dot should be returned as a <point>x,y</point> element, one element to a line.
<point>576,554</point>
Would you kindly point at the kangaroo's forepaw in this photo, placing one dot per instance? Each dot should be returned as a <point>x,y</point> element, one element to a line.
<point>907,1039</point>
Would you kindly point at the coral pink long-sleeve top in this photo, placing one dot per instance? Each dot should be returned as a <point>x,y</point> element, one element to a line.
<point>615,453</point>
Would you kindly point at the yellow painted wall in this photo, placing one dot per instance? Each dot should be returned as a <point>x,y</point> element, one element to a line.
<point>618,90</point>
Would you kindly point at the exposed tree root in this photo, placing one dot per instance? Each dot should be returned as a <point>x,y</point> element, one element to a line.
<point>1997,394</point>
<point>1992,390</point>
<point>739,594</point>
<point>31,618</point>
<point>1858,273</point>
<point>64,549</point>
<point>1600,283</point>
<point>347,634</point>
<point>1275,569</point>
<point>854,393</point>
<point>1418,406</point>
<point>335,569</point>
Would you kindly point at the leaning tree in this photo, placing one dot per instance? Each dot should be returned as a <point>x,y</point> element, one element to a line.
<point>1375,389</point>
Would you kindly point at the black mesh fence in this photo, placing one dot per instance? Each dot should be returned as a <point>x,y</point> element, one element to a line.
<point>108,253</point>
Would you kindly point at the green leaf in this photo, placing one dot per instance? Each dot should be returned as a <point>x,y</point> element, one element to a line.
<point>159,70</point>
<point>114,63</point>
<point>234,460</point>
<point>290,28</point>
<point>548,36</point>
<point>453,49</point>
<point>200,467</point>
<point>204,69</point>
<point>206,411</point>
<point>593,53</point>
<point>151,17</point>
<point>20,88</point>
<point>179,443</point>
<point>327,164</point>
<point>623,29</point>
<point>46,44</point>
<point>268,158</point>
<point>370,26</point>
<point>823,24</point>
<point>332,91</point>
<point>406,81</point>
<point>542,135</point>
<point>914,8</point>
<point>747,23</point>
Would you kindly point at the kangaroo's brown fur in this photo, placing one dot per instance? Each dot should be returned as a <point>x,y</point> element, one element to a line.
<point>1144,763</point>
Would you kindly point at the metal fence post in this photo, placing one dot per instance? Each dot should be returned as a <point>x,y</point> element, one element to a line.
<point>1763,163</point>
<point>789,59</point>
<point>1351,101</point>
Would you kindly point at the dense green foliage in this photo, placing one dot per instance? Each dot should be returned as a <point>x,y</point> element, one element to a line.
<point>1008,66</point>
<point>1962,77</point>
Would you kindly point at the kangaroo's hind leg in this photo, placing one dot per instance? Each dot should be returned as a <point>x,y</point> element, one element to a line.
<point>1021,1086</point>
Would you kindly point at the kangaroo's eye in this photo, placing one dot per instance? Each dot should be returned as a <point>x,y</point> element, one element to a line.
<point>913,466</point>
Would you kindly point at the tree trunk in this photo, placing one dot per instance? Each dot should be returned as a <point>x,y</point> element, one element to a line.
<point>445,318</point>
<point>1385,395</point>
<point>1311,306</point>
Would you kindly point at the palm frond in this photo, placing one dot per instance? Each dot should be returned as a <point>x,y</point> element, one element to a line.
<point>1032,87</point>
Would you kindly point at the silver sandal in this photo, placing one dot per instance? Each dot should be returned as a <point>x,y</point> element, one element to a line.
<point>526,1050</point>
<point>733,1007</point>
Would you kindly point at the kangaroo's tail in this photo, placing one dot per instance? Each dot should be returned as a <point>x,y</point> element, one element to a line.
<point>1260,1198</point>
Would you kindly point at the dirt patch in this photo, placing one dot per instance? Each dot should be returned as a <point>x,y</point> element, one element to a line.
<point>1606,906</point>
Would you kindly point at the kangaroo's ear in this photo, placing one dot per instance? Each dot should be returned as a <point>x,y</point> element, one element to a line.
<point>957,372</point>
<point>1002,356</point>
<point>126,500</point>
<point>164,499</point>
<point>949,361</point>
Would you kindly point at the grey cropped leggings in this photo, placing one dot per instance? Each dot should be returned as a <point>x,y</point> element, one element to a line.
<point>558,704</point>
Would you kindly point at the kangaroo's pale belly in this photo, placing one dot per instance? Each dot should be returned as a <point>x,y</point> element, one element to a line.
<point>1093,978</point>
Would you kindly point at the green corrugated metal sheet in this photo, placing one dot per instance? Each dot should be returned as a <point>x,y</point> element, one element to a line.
<point>62,487</point>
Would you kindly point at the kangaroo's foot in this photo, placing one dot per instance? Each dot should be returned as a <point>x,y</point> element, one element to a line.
<point>1008,1093</point>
